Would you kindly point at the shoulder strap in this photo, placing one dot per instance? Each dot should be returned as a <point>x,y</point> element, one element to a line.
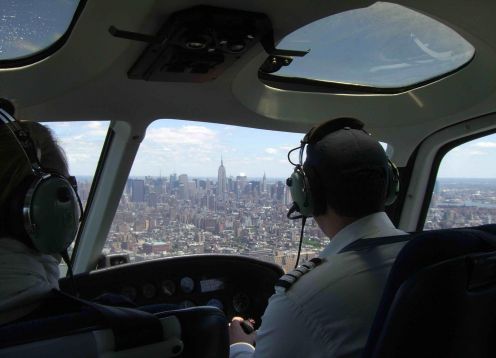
<point>287,280</point>
<point>365,244</point>
<point>131,327</point>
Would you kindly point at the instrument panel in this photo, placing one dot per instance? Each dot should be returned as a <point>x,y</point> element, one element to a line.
<point>237,285</point>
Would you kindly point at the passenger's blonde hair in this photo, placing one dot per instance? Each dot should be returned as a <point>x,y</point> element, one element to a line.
<point>14,167</point>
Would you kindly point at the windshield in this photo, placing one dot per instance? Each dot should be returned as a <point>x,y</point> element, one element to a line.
<point>199,188</point>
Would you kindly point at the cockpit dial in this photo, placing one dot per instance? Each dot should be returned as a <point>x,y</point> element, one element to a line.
<point>168,287</point>
<point>187,284</point>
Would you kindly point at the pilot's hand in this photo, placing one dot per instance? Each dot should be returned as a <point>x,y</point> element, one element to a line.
<point>237,333</point>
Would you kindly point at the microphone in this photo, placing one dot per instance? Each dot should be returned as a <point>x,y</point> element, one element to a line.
<point>292,209</point>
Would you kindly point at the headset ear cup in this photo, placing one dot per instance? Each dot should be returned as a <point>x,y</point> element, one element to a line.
<point>44,213</point>
<point>300,192</point>
<point>393,184</point>
<point>54,215</point>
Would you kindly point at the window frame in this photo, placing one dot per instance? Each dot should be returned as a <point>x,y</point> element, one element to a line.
<point>94,184</point>
<point>299,84</point>
<point>441,153</point>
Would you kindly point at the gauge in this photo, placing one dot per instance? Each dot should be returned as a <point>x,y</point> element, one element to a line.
<point>168,287</point>
<point>149,290</point>
<point>214,302</point>
<point>187,304</point>
<point>187,284</point>
<point>130,292</point>
<point>241,302</point>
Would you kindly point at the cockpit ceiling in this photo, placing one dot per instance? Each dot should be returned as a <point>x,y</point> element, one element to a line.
<point>86,79</point>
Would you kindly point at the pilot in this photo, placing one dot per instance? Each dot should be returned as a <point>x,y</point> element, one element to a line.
<point>26,274</point>
<point>325,307</point>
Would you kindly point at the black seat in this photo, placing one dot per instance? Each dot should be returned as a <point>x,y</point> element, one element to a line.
<point>440,297</point>
<point>192,333</point>
<point>204,332</point>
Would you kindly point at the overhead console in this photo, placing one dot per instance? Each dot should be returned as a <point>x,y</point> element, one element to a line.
<point>200,43</point>
<point>235,284</point>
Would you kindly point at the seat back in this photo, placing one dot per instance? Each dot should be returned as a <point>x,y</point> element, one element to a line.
<point>88,342</point>
<point>188,333</point>
<point>440,297</point>
<point>204,332</point>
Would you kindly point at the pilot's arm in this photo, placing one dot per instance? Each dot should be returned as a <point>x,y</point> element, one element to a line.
<point>283,332</point>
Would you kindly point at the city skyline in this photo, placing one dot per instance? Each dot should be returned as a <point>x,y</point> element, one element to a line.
<point>195,148</point>
<point>178,215</point>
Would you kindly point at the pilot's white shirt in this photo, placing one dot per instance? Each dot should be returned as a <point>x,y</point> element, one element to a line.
<point>328,311</point>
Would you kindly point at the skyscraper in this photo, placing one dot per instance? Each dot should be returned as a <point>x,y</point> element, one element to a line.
<point>138,191</point>
<point>221,182</point>
<point>184,189</point>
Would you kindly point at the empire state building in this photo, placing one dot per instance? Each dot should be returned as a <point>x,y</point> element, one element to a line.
<point>221,182</point>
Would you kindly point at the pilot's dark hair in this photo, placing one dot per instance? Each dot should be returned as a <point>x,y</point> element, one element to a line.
<point>347,171</point>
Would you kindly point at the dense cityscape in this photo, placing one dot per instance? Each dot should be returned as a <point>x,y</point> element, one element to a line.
<point>177,215</point>
<point>462,203</point>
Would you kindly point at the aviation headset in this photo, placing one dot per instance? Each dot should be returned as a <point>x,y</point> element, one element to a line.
<point>299,183</point>
<point>45,208</point>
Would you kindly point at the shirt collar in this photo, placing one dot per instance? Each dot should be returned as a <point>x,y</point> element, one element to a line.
<point>373,225</point>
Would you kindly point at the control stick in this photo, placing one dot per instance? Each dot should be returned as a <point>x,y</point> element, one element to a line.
<point>247,326</point>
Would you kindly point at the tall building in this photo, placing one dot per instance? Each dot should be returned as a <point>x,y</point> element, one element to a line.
<point>221,182</point>
<point>184,189</point>
<point>138,191</point>
<point>280,189</point>
<point>173,181</point>
<point>241,182</point>
<point>264,184</point>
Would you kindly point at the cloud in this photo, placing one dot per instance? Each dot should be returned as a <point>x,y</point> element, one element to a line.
<point>94,125</point>
<point>271,151</point>
<point>184,147</point>
<point>190,149</point>
<point>57,125</point>
<point>485,145</point>
<point>184,135</point>
<point>478,152</point>
<point>265,158</point>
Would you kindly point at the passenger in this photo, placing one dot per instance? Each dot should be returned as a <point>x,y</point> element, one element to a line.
<point>26,275</point>
<point>328,311</point>
<point>29,268</point>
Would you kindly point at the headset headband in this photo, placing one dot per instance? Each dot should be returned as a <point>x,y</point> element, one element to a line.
<point>320,131</point>
<point>23,139</point>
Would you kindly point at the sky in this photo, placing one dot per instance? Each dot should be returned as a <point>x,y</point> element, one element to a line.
<point>172,146</point>
<point>193,148</point>
<point>384,45</point>
<point>418,49</point>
